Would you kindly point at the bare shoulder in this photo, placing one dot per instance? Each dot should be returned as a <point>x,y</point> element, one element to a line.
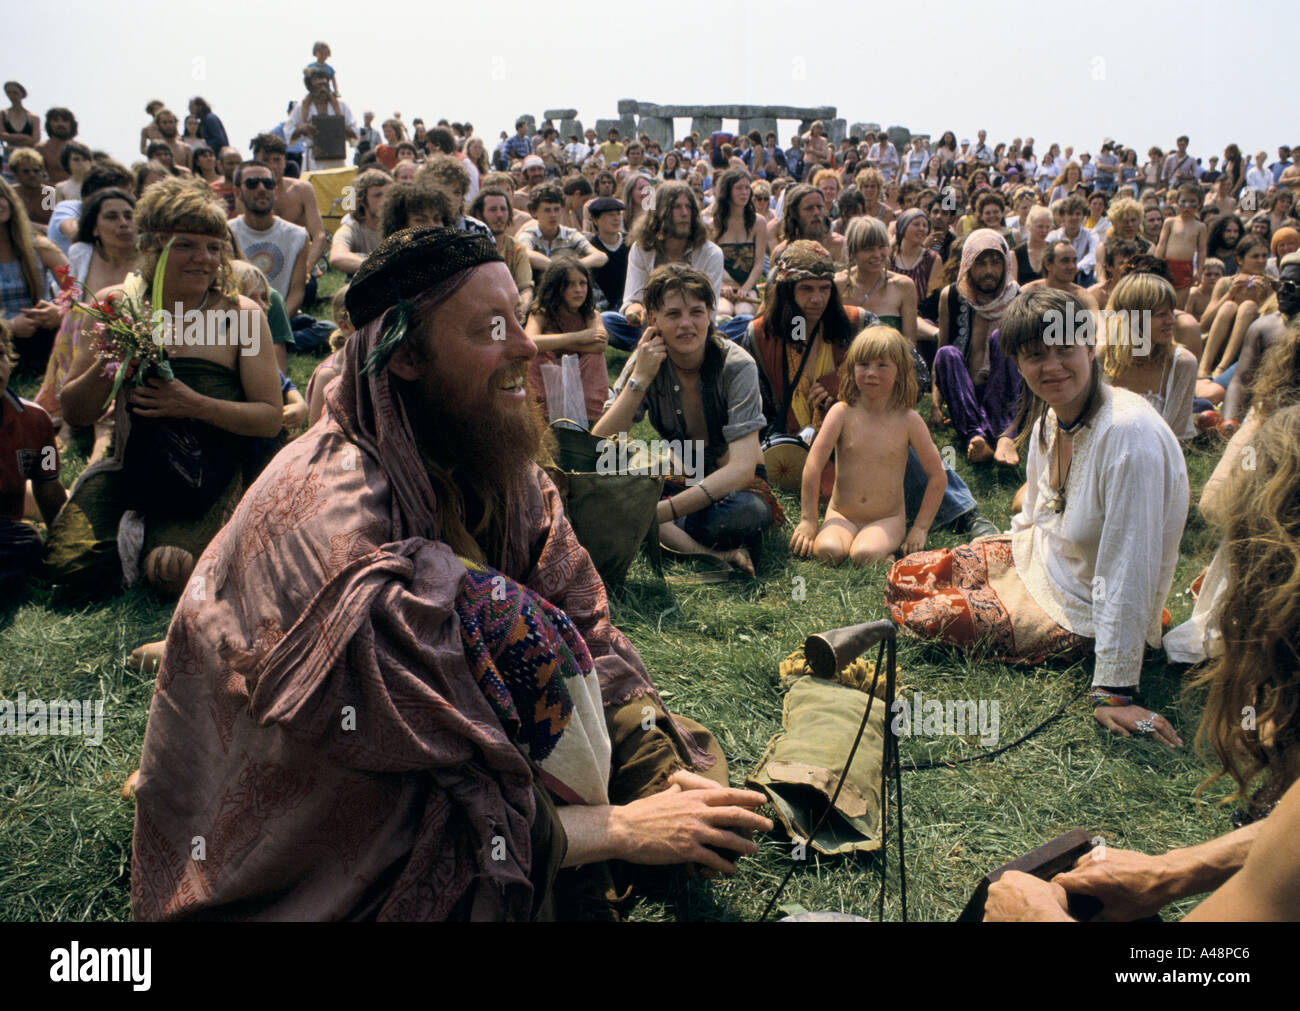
<point>1034,285</point>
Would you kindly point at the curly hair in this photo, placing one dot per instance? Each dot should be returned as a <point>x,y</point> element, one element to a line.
<point>181,205</point>
<point>1277,383</point>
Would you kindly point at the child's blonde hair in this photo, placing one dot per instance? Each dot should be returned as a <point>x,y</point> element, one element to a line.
<point>250,279</point>
<point>882,343</point>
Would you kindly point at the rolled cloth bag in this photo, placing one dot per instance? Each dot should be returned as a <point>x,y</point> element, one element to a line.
<point>802,765</point>
<point>612,514</point>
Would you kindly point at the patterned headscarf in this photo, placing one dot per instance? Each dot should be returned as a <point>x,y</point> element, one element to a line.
<point>979,241</point>
<point>804,260</point>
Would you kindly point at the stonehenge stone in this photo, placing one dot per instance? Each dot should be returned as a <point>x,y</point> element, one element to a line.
<point>627,106</point>
<point>528,118</point>
<point>763,124</point>
<point>900,137</point>
<point>659,129</point>
<point>561,113</point>
<point>570,127</point>
<point>706,125</point>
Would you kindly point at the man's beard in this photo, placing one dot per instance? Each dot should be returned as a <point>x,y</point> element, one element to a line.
<point>487,449</point>
<point>818,230</point>
<point>989,285</point>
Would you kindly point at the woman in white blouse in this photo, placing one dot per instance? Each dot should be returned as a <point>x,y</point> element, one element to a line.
<point>1139,352</point>
<point>1091,554</point>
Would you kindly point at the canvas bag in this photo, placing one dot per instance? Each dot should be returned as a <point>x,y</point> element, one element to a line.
<point>802,765</point>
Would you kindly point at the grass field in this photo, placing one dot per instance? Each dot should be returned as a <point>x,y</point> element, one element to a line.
<point>65,833</point>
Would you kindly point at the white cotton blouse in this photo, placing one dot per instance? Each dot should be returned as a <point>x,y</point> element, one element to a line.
<point>1103,567</point>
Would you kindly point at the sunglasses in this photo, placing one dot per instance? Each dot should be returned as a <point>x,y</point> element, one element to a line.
<point>252,184</point>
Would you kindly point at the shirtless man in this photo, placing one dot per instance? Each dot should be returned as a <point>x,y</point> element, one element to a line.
<point>550,152</point>
<point>182,153</point>
<point>1061,262</point>
<point>61,125</point>
<point>1118,254</point>
<point>295,199</point>
<point>805,218</point>
<point>1182,242</point>
<point>534,176</point>
<point>870,431</point>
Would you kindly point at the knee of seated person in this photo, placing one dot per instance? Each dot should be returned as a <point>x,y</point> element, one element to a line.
<point>862,557</point>
<point>829,550</point>
<point>948,353</point>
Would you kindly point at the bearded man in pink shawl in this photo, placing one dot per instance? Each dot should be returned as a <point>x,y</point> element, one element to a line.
<point>391,689</point>
<point>980,385</point>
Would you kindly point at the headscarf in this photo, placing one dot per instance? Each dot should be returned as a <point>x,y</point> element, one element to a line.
<point>905,220</point>
<point>804,260</point>
<point>979,241</point>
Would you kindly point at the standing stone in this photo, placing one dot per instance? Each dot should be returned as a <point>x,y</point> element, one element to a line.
<point>760,123</point>
<point>836,131</point>
<point>901,138</point>
<point>602,129</point>
<point>659,129</point>
<point>570,126</point>
<point>628,106</point>
<point>527,117</point>
<point>706,126</point>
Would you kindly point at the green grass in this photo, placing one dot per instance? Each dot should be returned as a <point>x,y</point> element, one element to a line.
<point>65,834</point>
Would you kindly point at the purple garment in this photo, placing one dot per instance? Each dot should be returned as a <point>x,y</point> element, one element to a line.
<point>987,410</point>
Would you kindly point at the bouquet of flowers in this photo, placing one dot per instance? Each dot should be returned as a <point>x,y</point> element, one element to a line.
<point>129,339</point>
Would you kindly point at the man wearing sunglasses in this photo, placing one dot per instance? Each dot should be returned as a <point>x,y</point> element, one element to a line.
<point>267,240</point>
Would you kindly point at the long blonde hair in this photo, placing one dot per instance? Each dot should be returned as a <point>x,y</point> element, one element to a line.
<point>1134,293</point>
<point>1252,711</point>
<point>20,238</point>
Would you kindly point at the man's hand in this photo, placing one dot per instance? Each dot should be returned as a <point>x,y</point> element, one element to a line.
<point>650,354</point>
<point>801,541</point>
<point>635,314</point>
<point>1128,884</point>
<point>679,825</point>
<point>166,399</point>
<point>821,397</point>
<point>915,540</point>
<point>1017,897</point>
<point>1123,720</point>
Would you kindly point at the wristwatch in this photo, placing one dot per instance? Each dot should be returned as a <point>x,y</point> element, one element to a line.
<point>635,384</point>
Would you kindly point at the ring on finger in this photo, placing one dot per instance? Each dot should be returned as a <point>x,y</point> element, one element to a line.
<point>1148,726</point>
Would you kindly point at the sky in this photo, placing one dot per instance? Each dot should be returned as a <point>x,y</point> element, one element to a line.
<point>1140,71</point>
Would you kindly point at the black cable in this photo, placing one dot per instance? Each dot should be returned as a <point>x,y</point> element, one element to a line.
<point>982,756</point>
<point>871,698</point>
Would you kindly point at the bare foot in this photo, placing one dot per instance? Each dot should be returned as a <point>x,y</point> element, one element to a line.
<point>128,788</point>
<point>1006,453</point>
<point>739,557</point>
<point>978,450</point>
<point>146,658</point>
